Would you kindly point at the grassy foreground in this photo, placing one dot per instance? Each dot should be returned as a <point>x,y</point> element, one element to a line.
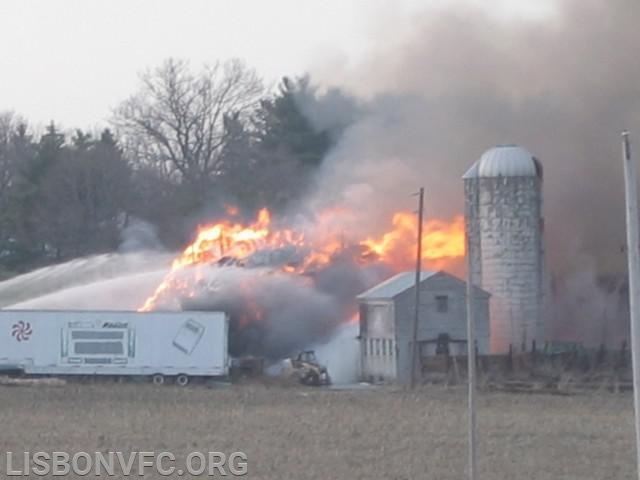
<point>306,433</point>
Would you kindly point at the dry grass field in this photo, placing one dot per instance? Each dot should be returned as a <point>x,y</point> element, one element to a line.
<point>304,433</point>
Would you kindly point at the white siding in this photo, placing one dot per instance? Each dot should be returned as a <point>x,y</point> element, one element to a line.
<point>377,340</point>
<point>378,358</point>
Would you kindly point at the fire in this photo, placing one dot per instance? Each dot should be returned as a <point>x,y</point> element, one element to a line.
<point>233,240</point>
<point>229,242</point>
<point>441,242</point>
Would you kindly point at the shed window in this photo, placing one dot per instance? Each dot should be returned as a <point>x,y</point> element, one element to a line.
<point>442,303</point>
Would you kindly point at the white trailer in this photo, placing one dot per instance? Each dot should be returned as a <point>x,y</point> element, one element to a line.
<point>155,344</point>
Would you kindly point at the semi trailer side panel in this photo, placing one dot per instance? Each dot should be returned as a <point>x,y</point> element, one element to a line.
<point>114,343</point>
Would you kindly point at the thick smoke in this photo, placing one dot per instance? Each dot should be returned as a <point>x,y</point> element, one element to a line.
<point>446,86</point>
<point>589,308</point>
<point>275,314</point>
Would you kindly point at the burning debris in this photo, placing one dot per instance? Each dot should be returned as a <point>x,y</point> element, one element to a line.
<point>285,288</point>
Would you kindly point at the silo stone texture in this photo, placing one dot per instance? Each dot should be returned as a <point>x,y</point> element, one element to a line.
<point>503,219</point>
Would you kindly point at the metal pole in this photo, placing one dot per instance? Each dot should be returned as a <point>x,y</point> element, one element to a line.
<point>633,257</point>
<point>471,361</point>
<point>416,318</point>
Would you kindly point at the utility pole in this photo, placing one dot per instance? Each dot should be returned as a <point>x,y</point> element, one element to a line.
<point>471,361</point>
<point>416,318</point>
<point>633,257</point>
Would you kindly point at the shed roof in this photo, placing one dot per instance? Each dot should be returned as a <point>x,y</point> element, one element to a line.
<point>397,284</point>
<point>394,285</point>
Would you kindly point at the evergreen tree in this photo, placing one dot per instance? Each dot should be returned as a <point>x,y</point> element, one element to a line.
<point>287,149</point>
<point>33,165</point>
<point>282,126</point>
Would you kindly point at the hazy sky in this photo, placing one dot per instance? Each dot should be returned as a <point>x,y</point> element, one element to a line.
<point>73,60</point>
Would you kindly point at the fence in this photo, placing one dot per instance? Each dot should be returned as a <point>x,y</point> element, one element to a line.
<point>554,366</point>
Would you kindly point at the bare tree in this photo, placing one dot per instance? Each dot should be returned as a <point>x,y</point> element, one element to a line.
<point>177,120</point>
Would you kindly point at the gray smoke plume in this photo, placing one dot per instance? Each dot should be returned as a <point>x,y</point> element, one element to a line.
<point>275,314</point>
<point>589,309</point>
<point>447,86</point>
<point>450,85</point>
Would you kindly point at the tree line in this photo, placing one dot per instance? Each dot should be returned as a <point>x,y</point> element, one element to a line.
<point>184,146</point>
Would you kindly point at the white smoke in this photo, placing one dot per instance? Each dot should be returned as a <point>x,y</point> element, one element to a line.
<point>139,236</point>
<point>341,354</point>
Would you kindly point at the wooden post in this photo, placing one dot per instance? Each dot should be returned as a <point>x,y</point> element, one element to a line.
<point>633,258</point>
<point>416,318</point>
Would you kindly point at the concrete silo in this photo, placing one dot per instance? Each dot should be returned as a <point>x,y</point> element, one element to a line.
<point>503,218</point>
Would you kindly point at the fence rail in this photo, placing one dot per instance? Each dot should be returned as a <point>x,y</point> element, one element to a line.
<point>553,368</point>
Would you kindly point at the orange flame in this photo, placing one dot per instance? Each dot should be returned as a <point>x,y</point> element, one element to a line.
<point>442,247</point>
<point>441,242</point>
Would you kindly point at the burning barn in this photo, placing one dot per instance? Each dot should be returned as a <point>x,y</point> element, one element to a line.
<point>288,285</point>
<point>504,223</point>
<point>387,316</point>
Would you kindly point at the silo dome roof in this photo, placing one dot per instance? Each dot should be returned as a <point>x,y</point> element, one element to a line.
<point>505,161</point>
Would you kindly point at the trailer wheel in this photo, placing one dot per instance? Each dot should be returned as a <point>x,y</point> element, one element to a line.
<point>182,380</point>
<point>158,379</point>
